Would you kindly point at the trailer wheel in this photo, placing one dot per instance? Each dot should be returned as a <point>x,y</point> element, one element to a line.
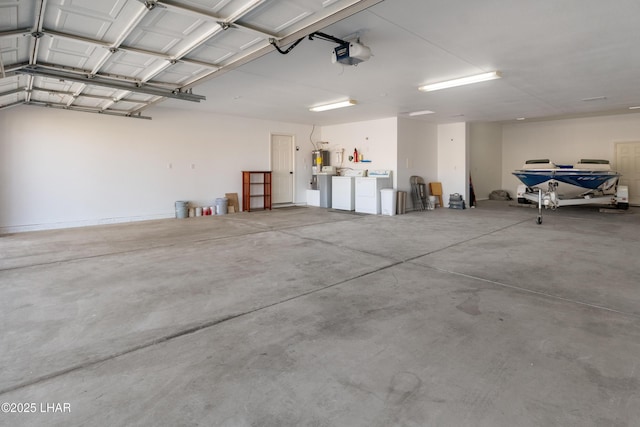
<point>522,200</point>
<point>623,206</point>
<point>539,220</point>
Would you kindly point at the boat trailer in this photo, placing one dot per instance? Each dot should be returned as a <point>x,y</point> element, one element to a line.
<point>550,199</point>
<point>596,176</point>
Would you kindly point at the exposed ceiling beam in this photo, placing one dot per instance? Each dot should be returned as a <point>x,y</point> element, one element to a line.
<point>35,40</point>
<point>150,104</point>
<point>86,110</point>
<point>11,68</point>
<point>113,49</point>
<point>15,33</point>
<point>169,58</point>
<point>64,92</point>
<point>243,10</point>
<point>345,12</point>
<point>82,95</point>
<point>11,92</point>
<point>224,22</point>
<point>13,104</point>
<point>109,77</point>
<point>36,71</point>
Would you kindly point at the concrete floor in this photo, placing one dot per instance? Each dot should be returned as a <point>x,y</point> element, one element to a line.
<point>310,317</point>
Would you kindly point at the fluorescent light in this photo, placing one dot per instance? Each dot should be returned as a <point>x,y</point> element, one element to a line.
<point>637,107</point>
<point>462,81</point>
<point>341,104</point>
<point>420,113</point>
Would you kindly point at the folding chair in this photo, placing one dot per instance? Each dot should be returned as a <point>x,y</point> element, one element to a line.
<point>419,192</point>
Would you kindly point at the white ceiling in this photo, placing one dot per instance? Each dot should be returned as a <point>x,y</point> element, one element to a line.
<point>552,55</point>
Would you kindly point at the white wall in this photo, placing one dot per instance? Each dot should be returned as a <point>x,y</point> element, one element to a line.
<point>417,153</point>
<point>376,139</point>
<point>485,153</point>
<point>564,141</point>
<point>407,147</point>
<point>453,154</point>
<point>61,168</point>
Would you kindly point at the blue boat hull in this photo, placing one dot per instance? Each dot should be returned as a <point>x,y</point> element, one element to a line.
<point>591,180</point>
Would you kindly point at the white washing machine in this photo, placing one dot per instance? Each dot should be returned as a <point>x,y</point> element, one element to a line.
<point>368,191</point>
<point>343,191</point>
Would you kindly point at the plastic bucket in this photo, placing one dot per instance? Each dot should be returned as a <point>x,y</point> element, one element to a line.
<point>221,206</point>
<point>432,203</point>
<point>182,209</point>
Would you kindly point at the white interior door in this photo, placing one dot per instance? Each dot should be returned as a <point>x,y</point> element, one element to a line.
<point>282,168</point>
<point>628,164</point>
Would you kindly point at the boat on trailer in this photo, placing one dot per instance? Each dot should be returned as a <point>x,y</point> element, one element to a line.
<point>594,176</point>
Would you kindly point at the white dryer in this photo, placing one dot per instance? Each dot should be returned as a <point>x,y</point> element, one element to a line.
<point>368,191</point>
<point>343,194</point>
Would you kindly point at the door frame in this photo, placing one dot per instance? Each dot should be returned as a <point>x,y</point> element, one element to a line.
<point>293,159</point>
<point>615,154</point>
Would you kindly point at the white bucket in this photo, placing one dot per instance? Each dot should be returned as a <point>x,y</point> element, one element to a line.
<point>431,204</point>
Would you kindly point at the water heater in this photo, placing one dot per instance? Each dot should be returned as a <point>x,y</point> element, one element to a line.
<point>319,158</point>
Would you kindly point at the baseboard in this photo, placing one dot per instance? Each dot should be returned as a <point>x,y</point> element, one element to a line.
<point>85,223</point>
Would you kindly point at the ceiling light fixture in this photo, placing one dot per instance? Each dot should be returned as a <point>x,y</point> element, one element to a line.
<point>341,104</point>
<point>637,107</point>
<point>461,81</point>
<point>420,113</point>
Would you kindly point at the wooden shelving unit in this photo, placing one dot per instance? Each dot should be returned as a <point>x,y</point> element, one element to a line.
<point>256,184</point>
